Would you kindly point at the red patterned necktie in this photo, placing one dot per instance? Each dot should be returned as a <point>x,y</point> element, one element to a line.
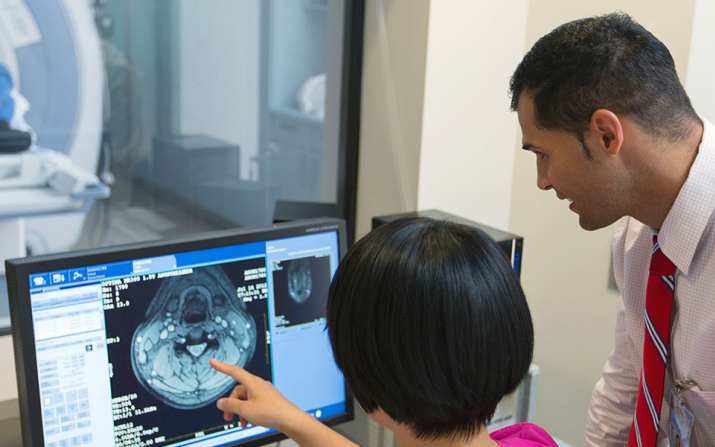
<point>658,307</point>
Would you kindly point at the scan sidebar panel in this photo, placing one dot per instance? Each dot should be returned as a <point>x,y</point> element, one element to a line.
<point>122,349</point>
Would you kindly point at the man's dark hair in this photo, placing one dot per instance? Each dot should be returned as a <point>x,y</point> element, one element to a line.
<point>429,323</point>
<point>607,62</point>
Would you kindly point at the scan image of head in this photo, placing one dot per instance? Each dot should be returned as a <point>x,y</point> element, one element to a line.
<point>192,318</point>
<point>300,280</point>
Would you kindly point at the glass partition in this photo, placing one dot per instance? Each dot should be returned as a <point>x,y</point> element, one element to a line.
<point>197,114</point>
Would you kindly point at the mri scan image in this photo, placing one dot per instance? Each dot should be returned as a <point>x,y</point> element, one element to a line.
<point>300,280</point>
<point>192,318</point>
<point>300,288</point>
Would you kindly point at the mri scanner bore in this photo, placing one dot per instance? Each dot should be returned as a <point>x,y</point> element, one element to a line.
<point>162,329</point>
<point>192,318</point>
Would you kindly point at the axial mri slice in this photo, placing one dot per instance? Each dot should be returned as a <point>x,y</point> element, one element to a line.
<point>192,318</point>
<point>300,280</point>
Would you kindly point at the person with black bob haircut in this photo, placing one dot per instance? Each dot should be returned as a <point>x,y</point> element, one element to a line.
<point>601,106</point>
<point>431,329</point>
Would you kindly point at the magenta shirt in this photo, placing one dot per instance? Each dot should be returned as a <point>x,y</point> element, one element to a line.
<point>523,435</point>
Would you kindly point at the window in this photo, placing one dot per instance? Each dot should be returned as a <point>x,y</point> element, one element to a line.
<point>198,114</point>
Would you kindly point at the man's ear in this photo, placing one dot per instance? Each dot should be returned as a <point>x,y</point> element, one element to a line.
<point>605,132</point>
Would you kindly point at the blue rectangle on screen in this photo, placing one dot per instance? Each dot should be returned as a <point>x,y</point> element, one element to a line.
<point>153,265</point>
<point>150,265</point>
<point>59,277</point>
<point>78,275</point>
<point>118,269</point>
<point>329,411</point>
<point>39,280</point>
<point>220,254</point>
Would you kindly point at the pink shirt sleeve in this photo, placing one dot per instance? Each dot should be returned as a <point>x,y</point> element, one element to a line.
<point>523,435</point>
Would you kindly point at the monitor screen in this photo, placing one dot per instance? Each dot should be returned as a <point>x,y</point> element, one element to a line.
<point>112,345</point>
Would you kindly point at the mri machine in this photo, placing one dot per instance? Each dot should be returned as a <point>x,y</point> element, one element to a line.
<point>53,53</point>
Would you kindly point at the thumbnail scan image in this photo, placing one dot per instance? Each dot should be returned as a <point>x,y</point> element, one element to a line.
<point>300,280</point>
<point>301,290</point>
<point>192,318</point>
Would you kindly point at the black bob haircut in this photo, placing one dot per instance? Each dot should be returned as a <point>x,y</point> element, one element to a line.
<point>606,62</point>
<point>429,323</point>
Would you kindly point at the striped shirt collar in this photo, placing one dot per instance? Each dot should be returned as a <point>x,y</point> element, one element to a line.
<point>684,225</point>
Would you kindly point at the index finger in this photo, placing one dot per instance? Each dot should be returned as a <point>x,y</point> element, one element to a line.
<point>238,373</point>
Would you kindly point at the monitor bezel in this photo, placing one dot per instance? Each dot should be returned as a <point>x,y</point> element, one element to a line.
<point>23,336</point>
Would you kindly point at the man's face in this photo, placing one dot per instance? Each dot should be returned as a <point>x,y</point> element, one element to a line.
<point>591,185</point>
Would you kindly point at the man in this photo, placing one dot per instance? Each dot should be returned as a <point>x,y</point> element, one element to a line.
<point>600,104</point>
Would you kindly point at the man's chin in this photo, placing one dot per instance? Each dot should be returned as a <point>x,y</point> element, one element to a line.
<point>591,224</point>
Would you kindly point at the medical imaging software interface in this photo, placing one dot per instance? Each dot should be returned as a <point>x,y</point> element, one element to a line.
<point>123,349</point>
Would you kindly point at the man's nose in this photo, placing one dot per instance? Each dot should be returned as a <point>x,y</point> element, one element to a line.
<point>542,179</point>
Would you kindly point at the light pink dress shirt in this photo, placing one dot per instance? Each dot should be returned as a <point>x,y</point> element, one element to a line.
<point>688,239</point>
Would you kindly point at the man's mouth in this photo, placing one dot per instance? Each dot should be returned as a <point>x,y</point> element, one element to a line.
<point>562,197</point>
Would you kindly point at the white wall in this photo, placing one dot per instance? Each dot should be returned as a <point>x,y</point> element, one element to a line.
<point>463,141</point>
<point>468,132</point>
<point>701,64</point>
<point>391,116</point>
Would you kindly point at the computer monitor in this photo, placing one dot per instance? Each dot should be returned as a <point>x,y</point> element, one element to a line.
<point>112,345</point>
